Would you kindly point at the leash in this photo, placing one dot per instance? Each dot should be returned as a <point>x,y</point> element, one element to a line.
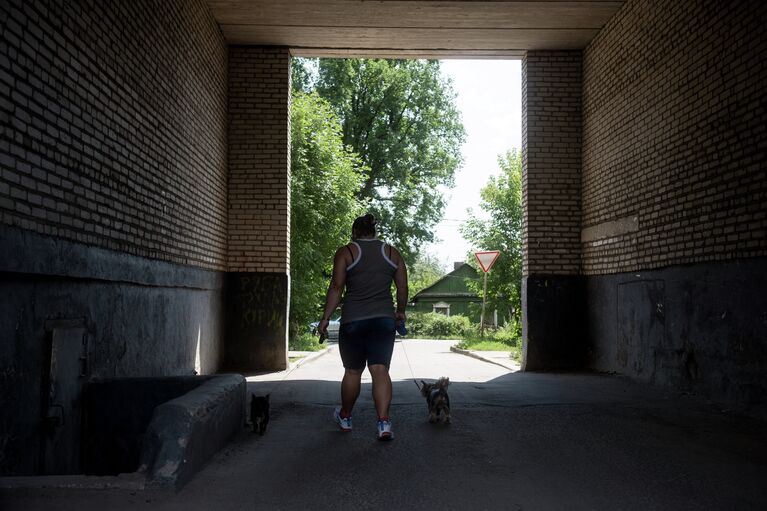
<point>412,375</point>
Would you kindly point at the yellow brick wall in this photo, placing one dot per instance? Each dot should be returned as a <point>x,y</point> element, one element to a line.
<point>551,166</point>
<point>259,159</point>
<point>674,135</point>
<point>115,126</point>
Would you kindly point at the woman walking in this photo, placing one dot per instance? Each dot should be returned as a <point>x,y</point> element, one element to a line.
<point>365,269</point>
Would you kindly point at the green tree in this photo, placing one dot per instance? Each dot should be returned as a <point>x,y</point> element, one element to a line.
<point>502,202</point>
<point>425,271</point>
<point>325,178</point>
<point>400,117</point>
<point>303,74</point>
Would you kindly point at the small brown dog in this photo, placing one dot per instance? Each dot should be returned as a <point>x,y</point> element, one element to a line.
<point>437,399</point>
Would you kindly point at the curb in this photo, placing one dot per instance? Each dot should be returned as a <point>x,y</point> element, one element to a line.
<point>474,354</point>
<point>316,354</point>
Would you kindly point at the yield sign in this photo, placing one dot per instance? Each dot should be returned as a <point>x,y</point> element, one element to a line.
<point>486,259</point>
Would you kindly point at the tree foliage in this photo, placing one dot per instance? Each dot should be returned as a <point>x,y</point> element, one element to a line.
<point>325,180</point>
<point>303,74</point>
<point>502,201</point>
<point>425,271</point>
<point>399,116</point>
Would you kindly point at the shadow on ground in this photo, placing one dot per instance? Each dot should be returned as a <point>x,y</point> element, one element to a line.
<point>518,441</point>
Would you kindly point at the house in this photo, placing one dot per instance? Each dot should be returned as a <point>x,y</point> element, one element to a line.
<point>450,296</point>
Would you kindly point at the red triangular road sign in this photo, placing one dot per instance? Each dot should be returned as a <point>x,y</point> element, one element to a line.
<point>486,259</point>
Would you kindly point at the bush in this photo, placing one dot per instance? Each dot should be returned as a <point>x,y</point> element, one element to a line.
<point>508,335</point>
<point>437,326</point>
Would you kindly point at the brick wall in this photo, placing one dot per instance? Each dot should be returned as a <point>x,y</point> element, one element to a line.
<point>551,142</point>
<point>259,159</point>
<point>114,118</point>
<point>674,135</point>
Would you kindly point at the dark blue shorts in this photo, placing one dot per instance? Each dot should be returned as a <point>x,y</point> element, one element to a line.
<point>368,341</point>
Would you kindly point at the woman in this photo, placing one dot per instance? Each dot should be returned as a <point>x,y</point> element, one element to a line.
<point>365,268</point>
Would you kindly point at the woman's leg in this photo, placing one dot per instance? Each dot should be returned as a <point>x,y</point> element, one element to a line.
<point>350,390</point>
<point>353,356</point>
<point>382,389</point>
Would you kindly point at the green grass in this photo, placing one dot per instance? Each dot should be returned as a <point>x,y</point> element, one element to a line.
<point>433,337</point>
<point>305,342</point>
<point>479,345</point>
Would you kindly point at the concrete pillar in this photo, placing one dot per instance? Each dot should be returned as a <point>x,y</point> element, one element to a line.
<point>552,298</point>
<point>258,281</point>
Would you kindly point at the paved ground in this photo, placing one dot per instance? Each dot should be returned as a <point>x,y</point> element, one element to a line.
<point>518,441</point>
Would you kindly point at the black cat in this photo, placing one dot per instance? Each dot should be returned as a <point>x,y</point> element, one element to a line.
<point>259,413</point>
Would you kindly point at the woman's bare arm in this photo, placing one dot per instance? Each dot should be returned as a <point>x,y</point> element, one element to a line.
<point>336,288</point>
<point>400,280</point>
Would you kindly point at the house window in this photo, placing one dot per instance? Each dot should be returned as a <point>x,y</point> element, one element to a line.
<point>441,308</point>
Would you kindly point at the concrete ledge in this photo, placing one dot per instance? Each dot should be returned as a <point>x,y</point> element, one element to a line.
<point>31,253</point>
<point>186,432</point>
<point>117,413</point>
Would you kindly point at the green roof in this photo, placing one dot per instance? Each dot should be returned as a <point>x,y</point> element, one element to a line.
<point>451,285</point>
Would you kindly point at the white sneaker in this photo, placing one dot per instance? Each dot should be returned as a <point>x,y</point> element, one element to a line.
<point>345,423</point>
<point>384,430</point>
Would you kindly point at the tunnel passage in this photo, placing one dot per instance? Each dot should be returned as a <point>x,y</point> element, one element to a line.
<point>143,197</point>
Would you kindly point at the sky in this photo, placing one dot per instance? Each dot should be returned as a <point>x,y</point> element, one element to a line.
<point>490,101</point>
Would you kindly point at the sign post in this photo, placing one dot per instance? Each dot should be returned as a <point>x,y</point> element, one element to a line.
<point>486,260</point>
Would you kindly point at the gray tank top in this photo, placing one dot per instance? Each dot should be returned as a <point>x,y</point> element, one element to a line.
<point>368,283</point>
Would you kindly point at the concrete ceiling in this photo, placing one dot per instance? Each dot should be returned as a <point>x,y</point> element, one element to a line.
<point>412,28</point>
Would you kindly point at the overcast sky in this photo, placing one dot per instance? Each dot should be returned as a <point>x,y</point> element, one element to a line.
<point>490,101</point>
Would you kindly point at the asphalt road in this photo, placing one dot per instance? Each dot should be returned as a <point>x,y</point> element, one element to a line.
<point>529,441</point>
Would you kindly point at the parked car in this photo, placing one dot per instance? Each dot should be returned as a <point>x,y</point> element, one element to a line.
<point>333,328</point>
